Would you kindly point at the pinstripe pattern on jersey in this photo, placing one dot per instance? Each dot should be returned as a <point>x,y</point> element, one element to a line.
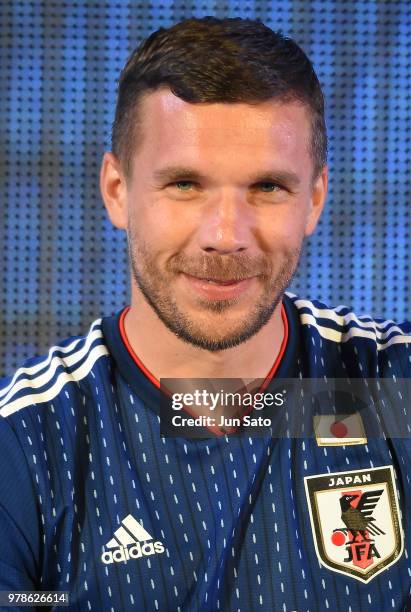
<point>44,380</point>
<point>340,324</point>
<point>231,511</point>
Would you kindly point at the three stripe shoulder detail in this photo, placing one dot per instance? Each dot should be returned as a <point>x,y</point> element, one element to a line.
<point>43,380</point>
<point>340,324</point>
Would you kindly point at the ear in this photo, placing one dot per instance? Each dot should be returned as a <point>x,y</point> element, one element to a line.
<point>318,195</point>
<point>114,190</point>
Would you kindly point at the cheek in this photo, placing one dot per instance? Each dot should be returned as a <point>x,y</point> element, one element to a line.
<point>164,228</point>
<point>283,231</point>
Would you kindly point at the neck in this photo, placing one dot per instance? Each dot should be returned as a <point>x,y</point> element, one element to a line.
<point>166,356</point>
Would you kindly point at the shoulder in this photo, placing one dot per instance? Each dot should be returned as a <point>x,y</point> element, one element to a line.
<point>361,335</point>
<point>43,379</point>
<point>340,324</point>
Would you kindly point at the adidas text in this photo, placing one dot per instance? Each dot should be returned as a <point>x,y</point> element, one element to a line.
<point>135,551</point>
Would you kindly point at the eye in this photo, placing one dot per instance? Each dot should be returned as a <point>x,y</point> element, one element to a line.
<point>268,187</point>
<point>183,185</point>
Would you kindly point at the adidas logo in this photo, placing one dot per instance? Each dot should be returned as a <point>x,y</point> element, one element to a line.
<point>131,542</point>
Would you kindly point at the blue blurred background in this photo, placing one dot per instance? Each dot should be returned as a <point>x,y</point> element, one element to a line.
<point>64,265</point>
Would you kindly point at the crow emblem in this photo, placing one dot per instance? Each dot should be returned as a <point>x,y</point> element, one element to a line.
<point>359,519</point>
<point>364,503</point>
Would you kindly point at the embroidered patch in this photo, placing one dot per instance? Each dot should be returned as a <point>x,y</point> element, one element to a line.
<point>344,430</point>
<point>355,521</point>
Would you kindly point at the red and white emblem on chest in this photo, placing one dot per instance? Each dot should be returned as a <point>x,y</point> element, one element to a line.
<point>355,520</point>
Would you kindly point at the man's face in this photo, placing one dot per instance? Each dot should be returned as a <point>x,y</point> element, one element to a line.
<point>219,200</point>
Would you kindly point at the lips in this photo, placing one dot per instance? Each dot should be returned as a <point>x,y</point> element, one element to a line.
<point>217,289</point>
<point>215,281</point>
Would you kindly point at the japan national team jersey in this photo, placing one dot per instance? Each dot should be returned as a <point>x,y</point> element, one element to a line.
<point>94,501</point>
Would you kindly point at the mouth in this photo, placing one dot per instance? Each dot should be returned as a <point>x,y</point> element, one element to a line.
<point>217,281</point>
<point>217,289</point>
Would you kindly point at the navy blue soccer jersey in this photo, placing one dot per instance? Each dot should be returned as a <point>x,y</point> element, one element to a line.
<point>94,501</point>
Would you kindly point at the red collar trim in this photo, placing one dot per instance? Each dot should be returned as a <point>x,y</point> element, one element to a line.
<point>156,382</point>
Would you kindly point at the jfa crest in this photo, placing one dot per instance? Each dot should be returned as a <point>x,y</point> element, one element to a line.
<point>355,520</point>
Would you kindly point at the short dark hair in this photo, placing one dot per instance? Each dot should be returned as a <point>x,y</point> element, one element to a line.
<point>218,60</point>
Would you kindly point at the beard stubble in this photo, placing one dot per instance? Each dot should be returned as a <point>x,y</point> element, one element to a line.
<point>157,288</point>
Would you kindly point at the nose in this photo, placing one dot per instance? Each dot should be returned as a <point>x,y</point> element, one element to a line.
<point>226,223</point>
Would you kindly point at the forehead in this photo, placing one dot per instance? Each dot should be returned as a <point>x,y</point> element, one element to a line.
<point>171,126</point>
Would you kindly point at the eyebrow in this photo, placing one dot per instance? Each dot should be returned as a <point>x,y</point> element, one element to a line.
<point>171,174</point>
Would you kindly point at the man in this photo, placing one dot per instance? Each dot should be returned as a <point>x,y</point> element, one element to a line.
<point>217,173</point>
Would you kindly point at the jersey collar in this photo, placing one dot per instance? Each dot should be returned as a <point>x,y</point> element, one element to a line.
<point>147,387</point>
